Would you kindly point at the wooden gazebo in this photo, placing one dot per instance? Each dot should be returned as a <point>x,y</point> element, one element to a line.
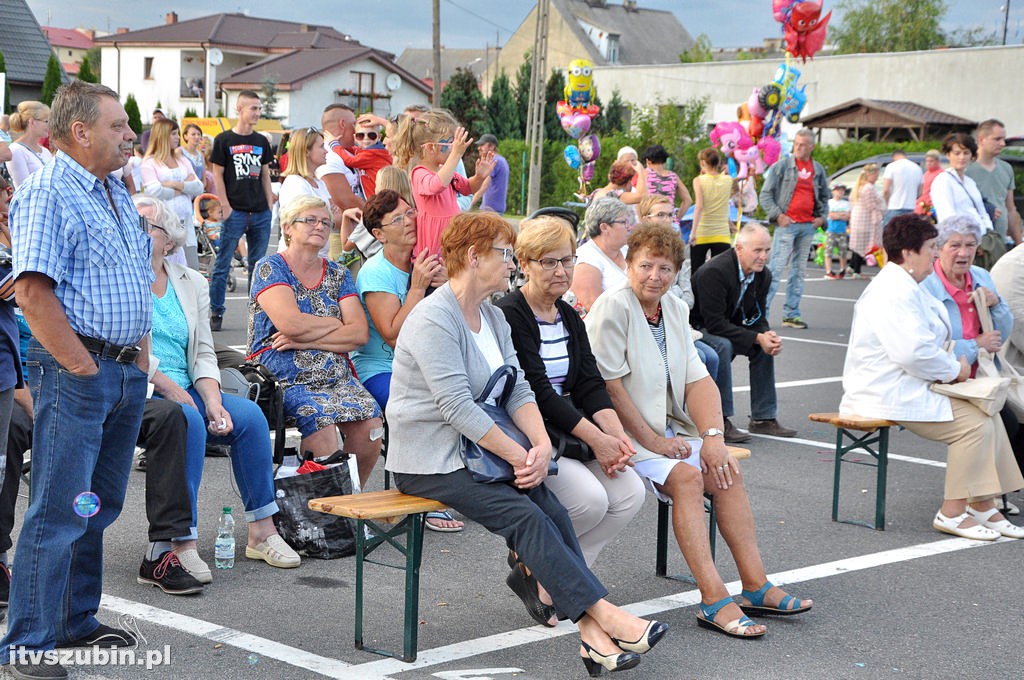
<point>887,121</point>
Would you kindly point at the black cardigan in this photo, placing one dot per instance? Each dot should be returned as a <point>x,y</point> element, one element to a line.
<point>583,380</point>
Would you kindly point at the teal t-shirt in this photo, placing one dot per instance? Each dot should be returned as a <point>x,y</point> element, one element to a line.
<point>993,187</point>
<point>378,276</point>
<point>170,337</point>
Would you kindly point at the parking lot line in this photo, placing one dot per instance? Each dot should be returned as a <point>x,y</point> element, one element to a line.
<point>791,338</point>
<point>830,447</point>
<point>796,383</point>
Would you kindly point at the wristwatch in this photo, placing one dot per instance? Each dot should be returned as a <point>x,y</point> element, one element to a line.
<point>711,432</point>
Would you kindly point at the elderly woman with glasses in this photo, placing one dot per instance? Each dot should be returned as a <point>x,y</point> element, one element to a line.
<point>448,350</point>
<point>672,412</point>
<point>306,153</point>
<point>304,319</point>
<point>897,351</point>
<point>184,370</point>
<point>601,261</point>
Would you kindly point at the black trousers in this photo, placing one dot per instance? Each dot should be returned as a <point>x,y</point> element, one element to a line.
<point>163,433</point>
<point>532,522</point>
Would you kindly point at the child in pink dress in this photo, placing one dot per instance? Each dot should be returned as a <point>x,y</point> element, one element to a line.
<point>432,146</point>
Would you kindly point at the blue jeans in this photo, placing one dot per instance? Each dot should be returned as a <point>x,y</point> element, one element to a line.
<point>83,440</point>
<point>790,247</point>
<point>251,455</point>
<point>763,402</point>
<point>707,355</point>
<point>256,229</point>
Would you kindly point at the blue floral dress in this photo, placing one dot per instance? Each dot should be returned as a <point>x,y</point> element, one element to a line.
<point>321,388</point>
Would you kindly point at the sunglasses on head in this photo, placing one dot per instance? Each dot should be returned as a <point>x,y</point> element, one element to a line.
<point>372,136</point>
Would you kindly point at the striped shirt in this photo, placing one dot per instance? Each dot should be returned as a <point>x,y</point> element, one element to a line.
<point>554,351</point>
<point>63,226</point>
<point>658,331</point>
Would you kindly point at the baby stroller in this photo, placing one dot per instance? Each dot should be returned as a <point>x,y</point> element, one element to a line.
<point>207,236</point>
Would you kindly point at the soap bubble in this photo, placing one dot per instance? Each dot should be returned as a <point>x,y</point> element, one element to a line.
<point>86,504</point>
<point>253,659</point>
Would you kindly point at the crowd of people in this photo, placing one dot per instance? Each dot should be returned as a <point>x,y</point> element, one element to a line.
<point>375,312</point>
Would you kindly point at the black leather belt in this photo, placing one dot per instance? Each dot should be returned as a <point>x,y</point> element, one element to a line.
<point>122,355</point>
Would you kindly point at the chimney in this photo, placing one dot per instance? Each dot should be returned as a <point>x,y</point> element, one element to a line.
<point>122,29</point>
<point>171,18</point>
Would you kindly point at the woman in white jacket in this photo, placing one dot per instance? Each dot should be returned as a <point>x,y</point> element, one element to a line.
<point>171,179</point>
<point>896,351</point>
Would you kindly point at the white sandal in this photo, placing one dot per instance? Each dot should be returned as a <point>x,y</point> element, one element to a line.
<point>1003,526</point>
<point>275,552</point>
<point>951,525</point>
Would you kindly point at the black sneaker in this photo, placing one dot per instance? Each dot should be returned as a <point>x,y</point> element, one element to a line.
<point>5,584</point>
<point>216,321</point>
<point>140,461</point>
<point>168,575</point>
<point>103,636</point>
<point>217,451</point>
<point>29,670</point>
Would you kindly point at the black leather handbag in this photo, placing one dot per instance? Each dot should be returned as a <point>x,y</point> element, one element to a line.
<point>566,444</point>
<point>487,467</point>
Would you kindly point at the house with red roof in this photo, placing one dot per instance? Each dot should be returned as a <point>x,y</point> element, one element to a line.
<point>69,45</point>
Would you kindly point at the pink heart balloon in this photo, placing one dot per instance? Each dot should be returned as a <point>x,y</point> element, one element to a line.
<point>566,121</point>
<point>580,125</point>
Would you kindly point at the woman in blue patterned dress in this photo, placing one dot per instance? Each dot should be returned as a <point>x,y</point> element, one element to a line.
<point>304,319</point>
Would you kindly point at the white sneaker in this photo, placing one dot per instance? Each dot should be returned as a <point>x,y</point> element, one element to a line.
<point>194,565</point>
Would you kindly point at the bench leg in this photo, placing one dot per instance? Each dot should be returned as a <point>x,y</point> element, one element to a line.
<point>836,474</point>
<point>661,553</point>
<point>883,468</point>
<point>413,558</point>
<point>360,546</point>
<point>712,525</point>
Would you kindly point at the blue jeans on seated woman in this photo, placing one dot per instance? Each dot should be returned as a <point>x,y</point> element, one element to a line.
<point>251,455</point>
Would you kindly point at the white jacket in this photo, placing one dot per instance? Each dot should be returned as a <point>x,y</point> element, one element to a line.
<point>896,352</point>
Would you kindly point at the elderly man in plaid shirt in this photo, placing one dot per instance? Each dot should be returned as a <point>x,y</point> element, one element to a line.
<point>83,274</point>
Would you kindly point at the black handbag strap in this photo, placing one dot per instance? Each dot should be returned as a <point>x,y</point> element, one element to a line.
<point>509,373</point>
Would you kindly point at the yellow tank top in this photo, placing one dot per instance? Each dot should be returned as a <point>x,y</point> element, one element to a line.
<point>714,216</point>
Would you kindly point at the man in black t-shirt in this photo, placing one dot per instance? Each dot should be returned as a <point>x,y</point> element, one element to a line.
<point>239,162</point>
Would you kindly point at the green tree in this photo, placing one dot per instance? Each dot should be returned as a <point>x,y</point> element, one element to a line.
<point>7,85</point>
<point>461,95</point>
<point>501,109</point>
<point>554,91</point>
<point>131,107</point>
<point>612,113</point>
<point>268,96</point>
<point>677,127</point>
<point>190,113</point>
<point>521,91</point>
<point>701,51</point>
<point>85,72</point>
<point>51,81</point>
<point>887,26</point>
<point>95,61</point>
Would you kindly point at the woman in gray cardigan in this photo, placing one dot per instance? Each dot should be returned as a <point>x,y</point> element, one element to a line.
<point>448,348</point>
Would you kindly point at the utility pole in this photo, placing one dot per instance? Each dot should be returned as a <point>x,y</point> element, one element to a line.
<point>535,113</point>
<point>1006,19</point>
<point>437,54</point>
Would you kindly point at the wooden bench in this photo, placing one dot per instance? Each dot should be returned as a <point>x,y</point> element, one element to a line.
<point>863,434</point>
<point>408,515</point>
<point>664,521</point>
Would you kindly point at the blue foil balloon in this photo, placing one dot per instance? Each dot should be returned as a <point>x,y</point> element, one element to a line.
<point>572,157</point>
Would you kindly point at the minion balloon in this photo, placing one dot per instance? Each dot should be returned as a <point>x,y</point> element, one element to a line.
<point>579,89</point>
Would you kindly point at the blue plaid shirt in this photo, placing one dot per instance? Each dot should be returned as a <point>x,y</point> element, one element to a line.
<point>63,226</point>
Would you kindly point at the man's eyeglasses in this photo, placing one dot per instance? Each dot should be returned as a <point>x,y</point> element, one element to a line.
<point>550,263</point>
<point>506,253</point>
<point>312,130</point>
<point>372,136</point>
<point>409,214</point>
<point>323,221</point>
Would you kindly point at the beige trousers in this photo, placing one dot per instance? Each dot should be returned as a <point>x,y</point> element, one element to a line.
<point>979,461</point>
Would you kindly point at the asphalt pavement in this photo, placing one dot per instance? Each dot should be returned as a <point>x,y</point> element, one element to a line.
<point>906,602</point>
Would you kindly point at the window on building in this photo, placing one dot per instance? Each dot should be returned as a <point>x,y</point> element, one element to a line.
<point>147,68</point>
<point>363,95</point>
<point>613,49</point>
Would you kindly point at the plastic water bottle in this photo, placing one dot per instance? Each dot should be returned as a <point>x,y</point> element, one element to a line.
<point>224,548</point>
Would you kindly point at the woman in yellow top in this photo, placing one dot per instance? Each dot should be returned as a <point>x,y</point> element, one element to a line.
<point>712,233</point>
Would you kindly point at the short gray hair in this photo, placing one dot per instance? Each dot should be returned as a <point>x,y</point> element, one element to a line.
<point>957,224</point>
<point>76,101</point>
<point>603,211</point>
<point>806,132</point>
<point>164,217</point>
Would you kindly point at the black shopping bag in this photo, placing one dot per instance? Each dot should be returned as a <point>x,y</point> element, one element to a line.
<point>312,533</point>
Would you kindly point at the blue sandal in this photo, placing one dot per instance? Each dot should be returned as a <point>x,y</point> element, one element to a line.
<point>736,628</point>
<point>787,607</point>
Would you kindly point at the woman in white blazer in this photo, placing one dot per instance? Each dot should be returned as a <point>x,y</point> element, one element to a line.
<point>669,405</point>
<point>896,352</point>
<point>187,373</point>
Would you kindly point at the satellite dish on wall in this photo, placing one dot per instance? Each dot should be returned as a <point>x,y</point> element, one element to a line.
<point>216,56</point>
<point>393,81</point>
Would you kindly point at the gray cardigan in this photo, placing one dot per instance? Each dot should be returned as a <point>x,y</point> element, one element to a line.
<point>437,374</point>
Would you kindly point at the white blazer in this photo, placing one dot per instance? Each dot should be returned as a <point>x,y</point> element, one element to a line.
<point>896,351</point>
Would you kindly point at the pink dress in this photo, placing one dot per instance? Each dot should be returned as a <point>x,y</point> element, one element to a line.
<point>866,220</point>
<point>436,204</point>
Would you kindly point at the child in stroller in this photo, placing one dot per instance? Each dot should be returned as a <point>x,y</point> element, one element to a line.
<point>209,221</point>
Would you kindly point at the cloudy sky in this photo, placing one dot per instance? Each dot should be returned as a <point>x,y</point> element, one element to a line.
<point>398,24</point>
